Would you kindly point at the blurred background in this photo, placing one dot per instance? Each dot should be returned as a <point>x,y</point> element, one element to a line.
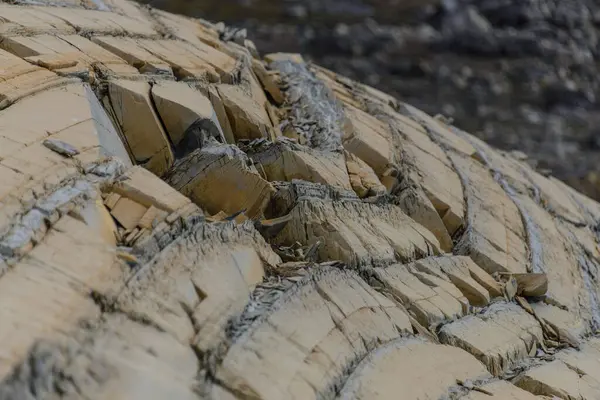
<point>521,74</point>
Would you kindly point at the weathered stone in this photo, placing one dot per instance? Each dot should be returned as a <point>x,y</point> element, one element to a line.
<point>206,281</point>
<point>140,125</point>
<point>145,188</point>
<point>531,284</point>
<point>504,334</point>
<point>134,54</point>
<point>494,237</point>
<point>268,82</point>
<point>219,178</point>
<point>60,147</point>
<point>188,116</point>
<point>331,315</point>
<point>369,140</point>
<point>431,304</point>
<point>458,271</point>
<point>68,55</point>
<point>248,118</point>
<point>285,161</point>
<point>358,233</point>
<point>500,389</point>
<point>363,179</point>
<point>395,367</point>
<point>557,379</point>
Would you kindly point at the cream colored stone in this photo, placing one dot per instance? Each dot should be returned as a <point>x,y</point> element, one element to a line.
<point>128,213</point>
<point>329,316</point>
<point>439,130</point>
<point>192,61</point>
<point>20,79</point>
<point>501,336</point>
<point>69,54</point>
<point>440,183</point>
<point>556,379</point>
<point>202,280</point>
<point>567,327</point>
<point>135,55</point>
<point>268,81</point>
<point>148,190</point>
<point>248,119</point>
<point>523,179</point>
<point>61,114</point>
<point>429,303</point>
<point>219,178</point>
<point>534,284</point>
<point>46,293</point>
<point>412,369</point>
<point>140,125</point>
<point>134,359</point>
<point>501,390</point>
<point>17,20</point>
<point>561,261</point>
<point>188,29</point>
<point>363,179</point>
<point>585,360</point>
<point>219,107</point>
<point>188,116</point>
<point>285,161</point>
<point>101,22</point>
<point>369,140</point>
<point>273,57</point>
<point>415,203</point>
<point>495,237</point>
<point>358,233</point>
<point>457,271</point>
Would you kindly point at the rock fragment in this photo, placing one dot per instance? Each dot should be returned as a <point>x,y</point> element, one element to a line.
<point>140,125</point>
<point>188,116</point>
<point>532,285</point>
<point>221,177</point>
<point>248,118</point>
<point>60,147</point>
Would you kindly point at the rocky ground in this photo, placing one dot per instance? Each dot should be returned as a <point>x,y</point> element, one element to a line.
<point>520,74</point>
<point>181,219</point>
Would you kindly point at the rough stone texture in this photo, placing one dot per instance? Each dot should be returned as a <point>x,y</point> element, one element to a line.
<point>521,75</point>
<point>499,337</point>
<point>369,250</point>
<point>358,233</point>
<point>140,125</point>
<point>396,367</point>
<point>218,178</point>
<point>188,116</point>
<point>321,325</point>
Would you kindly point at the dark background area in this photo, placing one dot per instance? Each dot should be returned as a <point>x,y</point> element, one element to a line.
<point>521,74</point>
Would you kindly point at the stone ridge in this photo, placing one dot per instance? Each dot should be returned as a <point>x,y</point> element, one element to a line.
<point>183,218</point>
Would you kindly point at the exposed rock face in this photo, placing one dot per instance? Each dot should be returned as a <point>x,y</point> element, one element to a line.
<point>179,219</point>
<point>520,74</point>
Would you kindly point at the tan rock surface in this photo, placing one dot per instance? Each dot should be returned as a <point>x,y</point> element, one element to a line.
<point>418,370</point>
<point>429,302</point>
<point>501,336</point>
<point>556,379</point>
<point>330,317</point>
<point>140,125</point>
<point>188,116</point>
<point>358,233</point>
<point>500,389</point>
<point>372,252</point>
<point>284,161</point>
<point>248,118</point>
<point>219,178</point>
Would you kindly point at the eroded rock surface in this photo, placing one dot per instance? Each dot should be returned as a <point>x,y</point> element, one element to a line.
<point>179,218</point>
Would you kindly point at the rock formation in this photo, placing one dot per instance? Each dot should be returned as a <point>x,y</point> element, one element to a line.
<point>181,218</point>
